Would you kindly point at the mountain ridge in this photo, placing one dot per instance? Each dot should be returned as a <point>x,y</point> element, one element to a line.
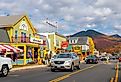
<point>103,42</point>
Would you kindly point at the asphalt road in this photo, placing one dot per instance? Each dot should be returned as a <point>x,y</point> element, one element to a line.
<point>99,73</point>
<point>119,72</point>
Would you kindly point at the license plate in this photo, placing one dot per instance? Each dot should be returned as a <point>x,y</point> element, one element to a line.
<point>58,66</point>
<point>90,60</point>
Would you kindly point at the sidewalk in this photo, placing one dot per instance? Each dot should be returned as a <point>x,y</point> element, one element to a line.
<point>28,67</point>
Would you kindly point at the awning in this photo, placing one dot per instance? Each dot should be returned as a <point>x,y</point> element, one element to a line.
<point>12,48</point>
<point>69,47</point>
<point>9,48</point>
<point>5,48</point>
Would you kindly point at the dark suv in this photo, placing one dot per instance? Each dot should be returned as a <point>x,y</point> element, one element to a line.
<point>92,59</point>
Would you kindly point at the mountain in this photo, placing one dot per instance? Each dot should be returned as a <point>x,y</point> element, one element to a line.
<point>115,36</point>
<point>91,33</point>
<point>102,41</point>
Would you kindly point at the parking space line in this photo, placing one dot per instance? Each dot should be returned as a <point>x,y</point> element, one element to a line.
<point>70,74</point>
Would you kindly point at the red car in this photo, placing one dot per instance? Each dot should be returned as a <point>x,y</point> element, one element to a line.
<point>119,59</point>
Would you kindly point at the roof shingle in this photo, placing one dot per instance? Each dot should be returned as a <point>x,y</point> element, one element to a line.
<point>7,21</point>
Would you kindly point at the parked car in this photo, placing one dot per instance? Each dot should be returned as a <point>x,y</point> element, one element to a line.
<point>5,65</point>
<point>65,61</point>
<point>119,59</point>
<point>112,57</point>
<point>104,58</point>
<point>92,59</point>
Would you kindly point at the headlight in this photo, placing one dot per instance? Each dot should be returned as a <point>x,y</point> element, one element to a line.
<point>68,62</point>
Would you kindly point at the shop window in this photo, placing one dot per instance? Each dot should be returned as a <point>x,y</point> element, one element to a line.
<point>29,53</point>
<point>35,52</point>
<point>29,37</point>
<point>71,41</point>
<point>16,34</point>
<point>20,55</point>
<point>22,37</point>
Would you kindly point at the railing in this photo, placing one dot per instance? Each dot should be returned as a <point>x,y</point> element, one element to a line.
<point>20,40</point>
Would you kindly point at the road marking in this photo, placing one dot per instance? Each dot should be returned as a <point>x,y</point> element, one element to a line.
<point>14,75</point>
<point>112,80</point>
<point>68,75</point>
<point>115,79</point>
<point>116,76</point>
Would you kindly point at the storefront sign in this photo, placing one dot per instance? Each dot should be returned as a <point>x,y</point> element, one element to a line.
<point>64,44</point>
<point>36,40</point>
<point>77,48</point>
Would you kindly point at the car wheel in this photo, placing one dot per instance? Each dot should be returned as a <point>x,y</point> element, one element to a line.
<point>4,71</point>
<point>53,70</point>
<point>87,62</point>
<point>72,68</point>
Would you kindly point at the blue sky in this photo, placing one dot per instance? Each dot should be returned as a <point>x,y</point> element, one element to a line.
<point>70,16</point>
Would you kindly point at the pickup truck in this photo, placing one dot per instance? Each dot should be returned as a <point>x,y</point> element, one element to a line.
<point>5,66</point>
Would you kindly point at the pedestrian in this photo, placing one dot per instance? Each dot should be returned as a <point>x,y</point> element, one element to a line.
<point>46,59</point>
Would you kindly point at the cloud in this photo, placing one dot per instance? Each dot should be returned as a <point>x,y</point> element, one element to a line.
<point>68,18</point>
<point>118,27</point>
<point>103,11</point>
<point>90,25</point>
<point>76,14</point>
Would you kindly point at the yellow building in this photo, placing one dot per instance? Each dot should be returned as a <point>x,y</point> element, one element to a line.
<point>18,31</point>
<point>83,46</point>
<point>54,41</point>
<point>91,45</point>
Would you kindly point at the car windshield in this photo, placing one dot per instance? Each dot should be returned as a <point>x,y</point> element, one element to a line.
<point>64,56</point>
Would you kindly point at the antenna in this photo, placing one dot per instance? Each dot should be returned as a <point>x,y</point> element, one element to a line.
<point>53,24</point>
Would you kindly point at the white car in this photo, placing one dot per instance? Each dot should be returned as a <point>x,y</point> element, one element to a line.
<point>5,65</point>
<point>65,61</point>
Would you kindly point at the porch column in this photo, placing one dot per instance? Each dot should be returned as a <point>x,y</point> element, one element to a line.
<point>25,54</point>
<point>33,52</point>
<point>39,59</point>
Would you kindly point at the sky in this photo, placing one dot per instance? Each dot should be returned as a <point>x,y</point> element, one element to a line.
<point>68,16</point>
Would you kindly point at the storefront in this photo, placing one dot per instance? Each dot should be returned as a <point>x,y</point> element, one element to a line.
<point>19,32</point>
<point>32,51</point>
<point>54,41</point>
<point>83,46</point>
<point>9,51</point>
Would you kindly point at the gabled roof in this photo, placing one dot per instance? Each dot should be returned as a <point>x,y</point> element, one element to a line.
<point>73,38</point>
<point>8,21</point>
<point>4,33</point>
<point>80,40</point>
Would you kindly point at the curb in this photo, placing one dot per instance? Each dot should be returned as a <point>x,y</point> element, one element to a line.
<point>28,67</point>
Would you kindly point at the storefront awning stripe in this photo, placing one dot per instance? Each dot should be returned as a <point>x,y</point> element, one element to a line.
<point>12,48</point>
<point>4,48</point>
